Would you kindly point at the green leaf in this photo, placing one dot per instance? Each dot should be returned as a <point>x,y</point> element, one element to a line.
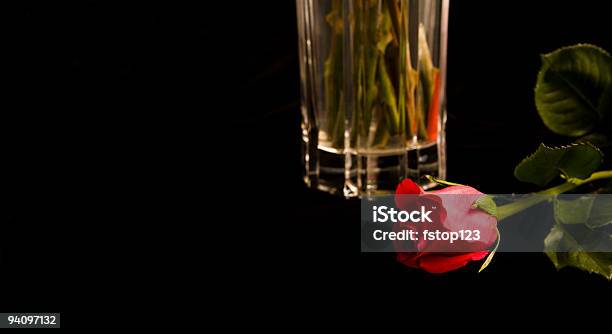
<point>577,160</point>
<point>593,211</point>
<point>573,211</point>
<point>601,212</point>
<point>563,250</point>
<point>486,204</point>
<point>574,89</point>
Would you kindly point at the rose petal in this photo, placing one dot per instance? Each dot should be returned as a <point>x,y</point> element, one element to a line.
<point>457,190</point>
<point>408,187</point>
<point>409,259</point>
<point>438,263</point>
<point>406,195</point>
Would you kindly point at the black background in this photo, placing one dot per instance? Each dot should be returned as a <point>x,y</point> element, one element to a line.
<point>125,98</point>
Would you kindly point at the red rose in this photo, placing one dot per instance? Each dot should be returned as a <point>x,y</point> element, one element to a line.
<point>454,211</point>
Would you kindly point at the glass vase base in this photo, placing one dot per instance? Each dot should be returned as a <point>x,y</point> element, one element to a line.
<point>351,174</point>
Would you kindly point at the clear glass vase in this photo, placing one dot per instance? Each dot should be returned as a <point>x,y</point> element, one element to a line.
<point>372,80</point>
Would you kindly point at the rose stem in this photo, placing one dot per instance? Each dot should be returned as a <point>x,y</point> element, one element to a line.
<point>332,71</point>
<point>510,209</point>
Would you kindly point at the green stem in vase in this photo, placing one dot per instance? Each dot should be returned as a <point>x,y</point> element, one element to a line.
<point>358,126</point>
<point>381,134</point>
<point>392,7</point>
<point>372,22</point>
<point>332,69</point>
<point>338,131</point>
<point>422,103</point>
<point>388,96</point>
<point>398,29</point>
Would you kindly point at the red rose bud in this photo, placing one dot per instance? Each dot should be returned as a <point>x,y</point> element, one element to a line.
<point>452,212</point>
